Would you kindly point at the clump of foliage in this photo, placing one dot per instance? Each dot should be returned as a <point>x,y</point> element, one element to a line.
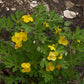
<point>41,48</point>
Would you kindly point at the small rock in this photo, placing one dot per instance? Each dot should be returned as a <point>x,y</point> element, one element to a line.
<point>1,1</point>
<point>56,1</point>
<point>46,5</point>
<point>26,0</point>
<point>2,5</point>
<point>7,9</point>
<point>13,9</point>
<point>20,2</point>
<point>69,4</point>
<point>70,14</point>
<point>33,4</point>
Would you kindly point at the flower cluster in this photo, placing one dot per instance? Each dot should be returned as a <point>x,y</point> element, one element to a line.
<point>53,54</point>
<point>50,68</point>
<point>26,67</point>
<point>18,38</point>
<point>62,40</point>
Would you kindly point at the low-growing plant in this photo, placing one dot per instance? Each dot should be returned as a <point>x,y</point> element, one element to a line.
<point>41,49</point>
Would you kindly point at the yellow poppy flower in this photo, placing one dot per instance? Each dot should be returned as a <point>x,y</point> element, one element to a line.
<point>50,68</point>
<point>23,35</point>
<point>25,65</point>
<point>27,18</point>
<point>62,40</point>
<point>18,45</point>
<point>26,70</point>
<point>52,56</point>
<point>16,38</point>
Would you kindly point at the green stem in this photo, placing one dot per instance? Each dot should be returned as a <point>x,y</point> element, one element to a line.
<point>71,62</point>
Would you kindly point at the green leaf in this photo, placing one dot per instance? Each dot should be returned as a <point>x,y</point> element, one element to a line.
<point>83,81</point>
<point>42,64</point>
<point>46,63</point>
<point>51,14</point>
<point>27,28</point>
<point>1,77</point>
<point>10,80</point>
<point>14,69</point>
<point>67,23</point>
<point>13,17</point>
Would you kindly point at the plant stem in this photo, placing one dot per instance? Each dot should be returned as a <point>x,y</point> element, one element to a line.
<point>71,63</point>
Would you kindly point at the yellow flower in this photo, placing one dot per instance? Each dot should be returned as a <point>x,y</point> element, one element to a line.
<point>27,18</point>
<point>58,29</point>
<point>18,38</point>
<point>58,66</point>
<point>49,63</point>
<point>52,47</point>
<point>47,24</point>
<point>52,56</point>
<point>60,57</point>
<point>26,67</point>
<point>18,45</point>
<point>22,30</point>
<point>26,70</point>
<point>19,20</point>
<point>62,40</point>
<point>50,68</point>
<point>78,41</point>
<point>23,36</point>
